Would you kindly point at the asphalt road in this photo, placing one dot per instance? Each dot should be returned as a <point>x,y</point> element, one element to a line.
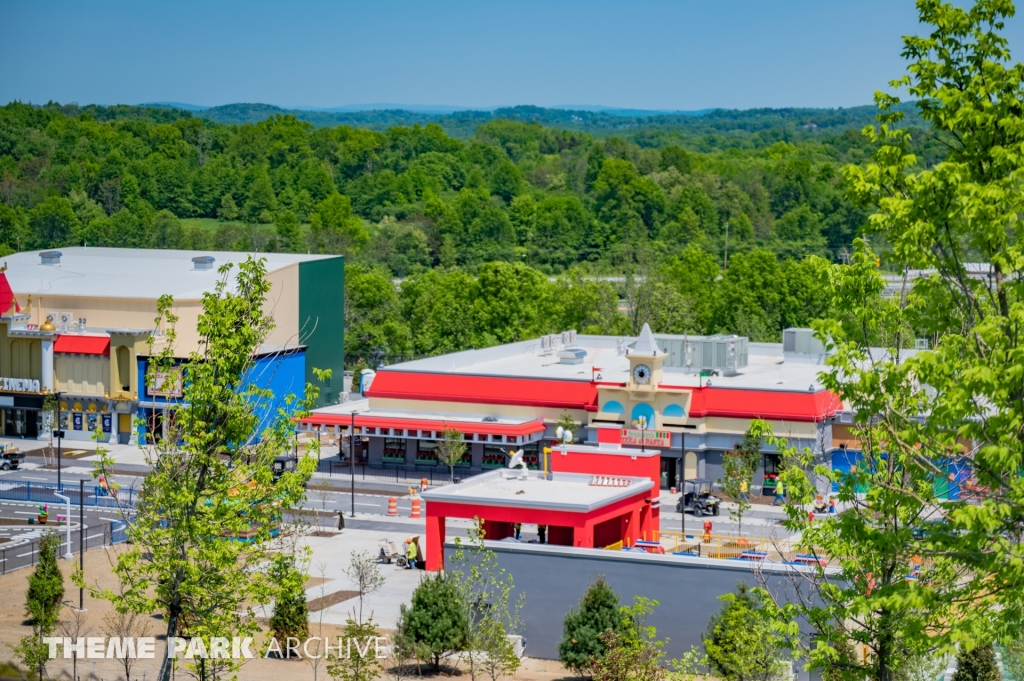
<point>757,522</point>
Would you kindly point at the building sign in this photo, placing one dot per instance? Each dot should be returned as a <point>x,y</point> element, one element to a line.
<point>106,423</point>
<point>166,383</point>
<point>76,419</point>
<point>634,437</point>
<point>21,385</point>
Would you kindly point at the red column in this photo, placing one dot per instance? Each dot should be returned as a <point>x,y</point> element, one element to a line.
<point>583,537</point>
<point>632,532</point>
<point>435,543</point>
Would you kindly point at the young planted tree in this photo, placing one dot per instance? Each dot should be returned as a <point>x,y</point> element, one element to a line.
<point>290,618</point>
<point>492,616</point>
<point>451,449</point>
<point>634,653</point>
<point>42,604</point>
<point>739,466</point>
<point>75,625</point>
<point>581,642</point>
<point>211,478</point>
<point>125,624</point>
<point>740,643</point>
<point>359,661</point>
<point>365,575</point>
<point>435,625</point>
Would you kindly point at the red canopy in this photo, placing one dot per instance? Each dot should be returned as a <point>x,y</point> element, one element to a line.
<point>82,345</point>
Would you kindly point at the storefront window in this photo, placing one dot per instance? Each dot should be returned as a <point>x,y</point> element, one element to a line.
<point>394,449</point>
<point>426,451</point>
<point>494,456</point>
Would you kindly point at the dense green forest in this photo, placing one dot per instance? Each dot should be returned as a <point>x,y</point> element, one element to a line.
<point>516,229</point>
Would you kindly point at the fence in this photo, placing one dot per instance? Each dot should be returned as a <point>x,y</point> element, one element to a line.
<point>730,546</point>
<point>45,493</point>
<point>435,475</point>
<point>25,555</point>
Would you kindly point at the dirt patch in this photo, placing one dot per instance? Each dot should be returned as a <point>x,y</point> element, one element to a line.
<point>327,601</point>
<point>13,521</point>
<point>51,453</point>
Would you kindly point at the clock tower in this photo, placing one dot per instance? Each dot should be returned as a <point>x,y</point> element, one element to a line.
<point>646,362</point>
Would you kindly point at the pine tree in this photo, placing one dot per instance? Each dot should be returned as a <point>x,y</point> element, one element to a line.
<point>740,644</point>
<point>436,622</point>
<point>291,611</point>
<point>977,664</point>
<point>581,640</point>
<point>42,603</point>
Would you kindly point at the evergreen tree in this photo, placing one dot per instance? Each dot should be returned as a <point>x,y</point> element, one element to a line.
<point>598,613</point>
<point>740,643</point>
<point>228,208</point>
<point>42,603</point>
<point>977,664</point>
<point>435,624</point>
<point>291,611</point>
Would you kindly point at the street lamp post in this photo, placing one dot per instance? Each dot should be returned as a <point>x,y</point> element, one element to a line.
<point>81,541</point>
<point>642,423</point>
<point>59,433</point>
<point>67,522</point>
<point>352,461</point>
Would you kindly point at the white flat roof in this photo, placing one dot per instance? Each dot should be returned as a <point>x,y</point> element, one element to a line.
<point>128,272</point>
<point>767,367</point>
<point>565,492</point>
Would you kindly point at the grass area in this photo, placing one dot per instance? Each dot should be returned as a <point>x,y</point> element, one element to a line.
<point>209,224</point>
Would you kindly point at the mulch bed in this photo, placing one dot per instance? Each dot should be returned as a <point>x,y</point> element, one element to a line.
<point>331,599</point>
<point>65,453</point>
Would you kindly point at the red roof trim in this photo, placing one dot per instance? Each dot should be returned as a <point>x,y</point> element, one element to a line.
<point>774,405</point>
<point>83,345</point>
<point>530,392</point>
<point>472,427</point>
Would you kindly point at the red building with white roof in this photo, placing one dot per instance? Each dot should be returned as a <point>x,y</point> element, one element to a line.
<point>694,397</point>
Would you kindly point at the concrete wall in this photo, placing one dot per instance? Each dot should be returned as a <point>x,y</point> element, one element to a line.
<point>687,589</point>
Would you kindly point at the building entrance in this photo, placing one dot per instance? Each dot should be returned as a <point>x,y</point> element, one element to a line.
<point>22,422</point>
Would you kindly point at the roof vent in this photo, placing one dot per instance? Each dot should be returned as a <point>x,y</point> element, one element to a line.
<point>490,419</point>
<point>572,356</point>
<point>202,262</point>
<point>50,257</point>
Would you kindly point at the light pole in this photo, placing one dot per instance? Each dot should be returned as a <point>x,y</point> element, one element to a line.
<point>352,461</point>
<point>642,423</point>
<point>59,433</point>
<point>81,541</point>
<point>566,437</point>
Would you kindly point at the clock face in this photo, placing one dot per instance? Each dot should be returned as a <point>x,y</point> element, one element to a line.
<point>642,373</point>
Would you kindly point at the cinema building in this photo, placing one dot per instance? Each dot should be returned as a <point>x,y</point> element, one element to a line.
<point>692,398</point>
<point>77,323</point>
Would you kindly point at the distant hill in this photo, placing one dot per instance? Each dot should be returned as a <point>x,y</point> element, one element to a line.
<point>721,127</point>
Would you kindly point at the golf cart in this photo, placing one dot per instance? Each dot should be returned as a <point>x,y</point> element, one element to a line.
<point>697,499</point>
<point>285,463</point>
<point>10,457</point>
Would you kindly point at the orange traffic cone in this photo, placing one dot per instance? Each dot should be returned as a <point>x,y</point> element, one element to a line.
<point>415,509</point>
<point>392,506</point>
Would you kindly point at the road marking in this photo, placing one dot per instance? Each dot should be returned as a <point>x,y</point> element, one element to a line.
<point>36,479</point>
<point>25,513</point>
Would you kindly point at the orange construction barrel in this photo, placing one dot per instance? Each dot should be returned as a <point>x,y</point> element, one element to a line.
<point>392,506</point>
<point>415,509</point>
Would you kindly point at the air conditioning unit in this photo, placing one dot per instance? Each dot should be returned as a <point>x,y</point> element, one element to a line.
<point>572,336</point>
<point>565,338</point>
<point>545,343</point>
<point>66,318</point>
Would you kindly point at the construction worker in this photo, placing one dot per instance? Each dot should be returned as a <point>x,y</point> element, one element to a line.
<point>410,553</point>
<point>517,531</point>
<point>780,493</point>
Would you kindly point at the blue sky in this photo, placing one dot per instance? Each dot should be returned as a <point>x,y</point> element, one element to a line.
<point>682,54</point>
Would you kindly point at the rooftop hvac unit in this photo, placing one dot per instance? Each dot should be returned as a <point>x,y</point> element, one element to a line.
<point>801,346</point>
<point>565,338</point>
<point>725,354</point>
<point>572,336</point>
<point>545,343</point>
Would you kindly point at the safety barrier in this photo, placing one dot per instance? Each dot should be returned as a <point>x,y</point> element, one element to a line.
<point>415,508</point>
<point>392,506</point>
<point>45,493</point>
<point>16,554</point>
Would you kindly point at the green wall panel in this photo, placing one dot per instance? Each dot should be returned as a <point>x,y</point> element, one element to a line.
<point>322,322</point>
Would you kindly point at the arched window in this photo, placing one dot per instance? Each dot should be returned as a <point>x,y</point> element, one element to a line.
<point>645,410</point>
<point>673,411</point>
<point>613,407</point>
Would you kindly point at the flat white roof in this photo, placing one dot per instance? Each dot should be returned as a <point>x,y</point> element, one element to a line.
<point>128,272</point>
<point>767,368</point>
<point>565,492</point>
